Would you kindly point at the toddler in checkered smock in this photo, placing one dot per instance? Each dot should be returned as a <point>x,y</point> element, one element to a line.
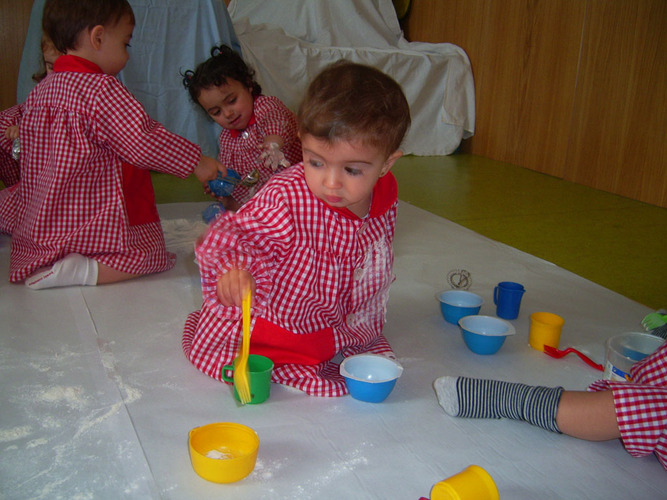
<point>314,245</point>
<point>259,133</point>
<point>84,212</point>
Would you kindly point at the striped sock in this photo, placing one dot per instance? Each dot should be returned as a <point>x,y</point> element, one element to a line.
<point>661,331</point>
<point>476,398</point>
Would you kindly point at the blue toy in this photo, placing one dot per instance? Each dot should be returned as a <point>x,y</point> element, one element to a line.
<point>223,186</point>
<point>212,211</point>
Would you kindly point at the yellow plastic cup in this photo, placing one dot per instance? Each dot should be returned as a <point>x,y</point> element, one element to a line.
<point>223,452</point>
<point>473,483</point>
<point>545,329</point>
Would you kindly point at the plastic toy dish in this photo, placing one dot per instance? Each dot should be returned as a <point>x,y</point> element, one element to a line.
<point>223,186</point>
<point>625,350</point>
<point>370,377</point>
<point>456,304</point>
<point>211,212</point>
<point>485,334</point>
<point>223,452</point>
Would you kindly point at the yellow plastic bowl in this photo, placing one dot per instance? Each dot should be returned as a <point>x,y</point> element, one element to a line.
<point>223,452</point>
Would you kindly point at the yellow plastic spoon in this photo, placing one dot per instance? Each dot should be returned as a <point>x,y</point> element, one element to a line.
<point>241,376</point>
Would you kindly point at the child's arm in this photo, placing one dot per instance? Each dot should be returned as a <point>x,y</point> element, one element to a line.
<point>254,240</point>
<point>232,285</point>
<point>207,169</point>
<point>272,155</point>
<point>276,139</point>
<point>278,128</point>
<point>12,133</point>
<point>9,167</point>
<point>9,126</point>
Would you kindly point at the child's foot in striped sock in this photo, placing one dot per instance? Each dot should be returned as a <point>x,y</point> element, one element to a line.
<point>477,398</point>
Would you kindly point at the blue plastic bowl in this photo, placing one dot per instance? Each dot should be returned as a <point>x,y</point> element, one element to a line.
<point>456,304</point>
<point>370,377</point>
<point>485,334</point>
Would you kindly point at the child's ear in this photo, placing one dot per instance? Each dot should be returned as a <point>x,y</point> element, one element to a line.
<point>95,36</point>
<point>390,162</point>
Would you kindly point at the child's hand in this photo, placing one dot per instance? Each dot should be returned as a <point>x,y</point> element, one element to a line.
<point>232,287</point>
<point>208,169</point>
<point>272,156</point>
<point>12,132</point>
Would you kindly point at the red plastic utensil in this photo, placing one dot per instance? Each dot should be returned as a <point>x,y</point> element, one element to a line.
<point>558,353</point>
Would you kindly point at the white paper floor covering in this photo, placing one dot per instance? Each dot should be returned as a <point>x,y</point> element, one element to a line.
<point>97,398</point>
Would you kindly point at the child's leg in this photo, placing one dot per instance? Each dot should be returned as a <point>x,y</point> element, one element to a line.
<point>73,269</point>
<point>108,275</point>
<point>588,415</point>
<point>585,415</point>
<point>474,398</point>
<point>76,269</point>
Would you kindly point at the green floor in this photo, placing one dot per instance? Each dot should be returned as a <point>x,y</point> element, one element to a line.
<point>608,239</point>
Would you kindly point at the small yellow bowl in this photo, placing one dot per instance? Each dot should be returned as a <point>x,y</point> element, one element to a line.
<point>223,452</point>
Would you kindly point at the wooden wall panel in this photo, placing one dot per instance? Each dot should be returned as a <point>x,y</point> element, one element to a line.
<point>571,88</point>
<point>524,57</point>
<point>528,83</point>
<point>619,135</point>
<point>14,18</point>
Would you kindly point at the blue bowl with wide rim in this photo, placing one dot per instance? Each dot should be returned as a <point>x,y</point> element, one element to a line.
<point>370,377</point>
<point>485,334</point>
<point>456,304</point>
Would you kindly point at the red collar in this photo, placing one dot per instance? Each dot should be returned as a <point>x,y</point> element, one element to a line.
<point>385,194</point>
<point>235,133</point>
<point>76,64</point>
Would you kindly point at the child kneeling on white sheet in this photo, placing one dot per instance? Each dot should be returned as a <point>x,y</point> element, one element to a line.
<point>84,211</point>
<point>259,135</point>
<point>635,411</point>
<point>315,243</point>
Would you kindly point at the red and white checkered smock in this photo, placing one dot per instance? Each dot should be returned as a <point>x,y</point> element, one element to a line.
<point>86,145</point>
<point>8,208</point>
<point>240,150</point>
<point>9,167</point>
<point>641,406</point>
<point>323,278</point>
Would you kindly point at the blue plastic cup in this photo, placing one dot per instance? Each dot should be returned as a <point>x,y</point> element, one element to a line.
<point>507,298</point>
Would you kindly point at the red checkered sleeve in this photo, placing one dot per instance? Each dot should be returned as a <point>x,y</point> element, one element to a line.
<point>641,406</point>
<point>123,125</point>
<point>248,240</point>
<point>9,167</point>
<point>9,205</point>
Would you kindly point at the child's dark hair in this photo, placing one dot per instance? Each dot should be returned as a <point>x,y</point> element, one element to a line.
<point>224,63</point>
<point>64,20</point>
<point>46,45</point>
<point>349,101</point>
